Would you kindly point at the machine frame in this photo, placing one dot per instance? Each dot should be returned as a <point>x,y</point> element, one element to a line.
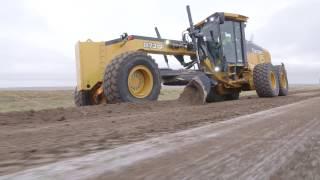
<point>92,58</point>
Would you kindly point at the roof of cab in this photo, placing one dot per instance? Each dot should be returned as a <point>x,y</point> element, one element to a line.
<point>227,16</point>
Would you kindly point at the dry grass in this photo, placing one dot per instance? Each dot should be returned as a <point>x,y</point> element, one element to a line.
<point>170,93</point>
<point>23,100</point>
<point>36,100</point>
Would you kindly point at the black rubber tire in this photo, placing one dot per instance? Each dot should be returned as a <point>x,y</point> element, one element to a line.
<point>232,96</point>
<point>214,97</point>
<point>262,80</point>
<point>116,78</point>
<point>283,91</point>
<point>81,98</point>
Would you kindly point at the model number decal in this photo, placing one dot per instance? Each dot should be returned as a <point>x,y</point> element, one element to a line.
<point>151,45</point>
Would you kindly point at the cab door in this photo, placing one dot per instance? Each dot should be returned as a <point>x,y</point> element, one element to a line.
<point>232,42</point>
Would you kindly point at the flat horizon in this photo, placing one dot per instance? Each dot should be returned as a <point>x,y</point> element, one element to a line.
<point>48,88</point>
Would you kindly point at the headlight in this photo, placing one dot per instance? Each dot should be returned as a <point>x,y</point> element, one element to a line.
<point>167,42</point>
<point>204,38</point>
<point>216,69</point>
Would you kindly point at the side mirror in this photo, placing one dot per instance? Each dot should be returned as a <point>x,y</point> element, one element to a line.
<point>124,36</point>
<point>221,20</point>
<point>219,17</point>
<point>185,37</point>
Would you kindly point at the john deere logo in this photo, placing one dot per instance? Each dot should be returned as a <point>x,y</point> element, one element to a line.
<point>150,45</point>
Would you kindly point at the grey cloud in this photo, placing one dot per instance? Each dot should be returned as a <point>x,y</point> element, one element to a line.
<point>15,17</point>
<point>25,65</point>
<point>293,31</point>
<point>293,35</point>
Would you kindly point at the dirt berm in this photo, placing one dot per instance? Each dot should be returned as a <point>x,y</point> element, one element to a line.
<point>191,96</point>
<point>33,138</point>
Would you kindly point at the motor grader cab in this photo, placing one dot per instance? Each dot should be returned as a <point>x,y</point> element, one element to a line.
<point>221,64</point>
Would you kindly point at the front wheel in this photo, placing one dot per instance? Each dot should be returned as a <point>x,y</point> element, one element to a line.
<point>232,96</point>
<point>213,96</point>
<point>81,98</point>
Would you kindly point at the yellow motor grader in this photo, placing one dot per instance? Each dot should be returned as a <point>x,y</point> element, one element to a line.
<point>218,64</point>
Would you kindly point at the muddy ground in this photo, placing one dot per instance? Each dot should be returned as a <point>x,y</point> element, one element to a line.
<point>33,138</point>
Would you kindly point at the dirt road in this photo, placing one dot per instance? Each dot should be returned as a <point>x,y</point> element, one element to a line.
<point>256,146</point>
<point>31,139</point>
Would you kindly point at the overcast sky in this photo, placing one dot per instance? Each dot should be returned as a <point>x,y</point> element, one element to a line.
<point>37,37</point>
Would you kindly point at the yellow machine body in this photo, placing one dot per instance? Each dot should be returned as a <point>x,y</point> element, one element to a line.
<point>92,58</point>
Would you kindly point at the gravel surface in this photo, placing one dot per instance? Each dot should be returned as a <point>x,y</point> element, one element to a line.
<point>33,138</point>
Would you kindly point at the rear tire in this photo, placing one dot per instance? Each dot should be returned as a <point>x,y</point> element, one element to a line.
<point>117,84</point>
<point>282,79</point>
<point>265,80</point>
<point>81,98</point>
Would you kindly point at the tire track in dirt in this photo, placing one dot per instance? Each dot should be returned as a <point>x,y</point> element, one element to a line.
<point>34,138</point>
<point>253,146</point>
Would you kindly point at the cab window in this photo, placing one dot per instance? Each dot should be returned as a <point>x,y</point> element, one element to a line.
<point>238,38</point>
<point>231,41</point>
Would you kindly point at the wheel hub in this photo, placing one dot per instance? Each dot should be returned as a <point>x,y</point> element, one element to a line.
<point>273,80</point>
<point>283,80</point>
<point>140,81</point>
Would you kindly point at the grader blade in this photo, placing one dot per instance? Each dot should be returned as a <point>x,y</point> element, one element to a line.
<point>196,91</point>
